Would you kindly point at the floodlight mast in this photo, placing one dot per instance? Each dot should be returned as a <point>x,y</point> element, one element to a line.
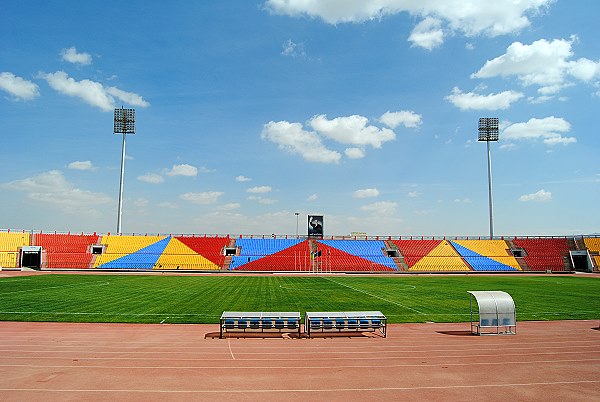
<point>124,123</point>
<point>488,131</point>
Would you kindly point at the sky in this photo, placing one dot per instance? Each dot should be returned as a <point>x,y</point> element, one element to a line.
<point>249,112</point>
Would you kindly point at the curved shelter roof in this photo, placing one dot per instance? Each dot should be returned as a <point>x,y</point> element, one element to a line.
<point>496,309</point>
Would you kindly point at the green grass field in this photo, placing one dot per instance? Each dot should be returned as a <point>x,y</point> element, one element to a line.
<point>202,299</point>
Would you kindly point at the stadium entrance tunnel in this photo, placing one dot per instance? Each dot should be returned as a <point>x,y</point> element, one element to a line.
<point>581,260</point>
<point>31,257</point>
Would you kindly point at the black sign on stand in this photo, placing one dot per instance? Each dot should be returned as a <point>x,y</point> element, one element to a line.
<point>315,226</point>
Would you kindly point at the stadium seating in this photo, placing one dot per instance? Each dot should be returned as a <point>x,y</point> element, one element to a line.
<point>355,255</point>
<point>209,247</point>
<point>178,255</point>
<point>10,244</point>
<point>272,255</point>
<point>544,253</point>
<point>592,244</point>
<point>431,255</point>
<point>130,252</point>
<point>66,250</point>
<point>415,250</point>
<point>330,258</point>
<point>60,250</point>
<point>486,255</point>
<point>263,247</point>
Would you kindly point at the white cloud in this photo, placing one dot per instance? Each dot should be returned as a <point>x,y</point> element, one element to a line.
<point>52,188</point>
<point>314,197</point>
<point>151,178</point>
<point>474,18</point>
<point>474,101</point>
<point>141,202</point>
<point>127,97</point>
<point>413,194</point>
<point>81,165</point>
<point>354,153</point>
<point>407,118</point>
<point>229,207</point>
<point>72,56</point>
<point>540,196</point>
<point>259,189</point>
<point>182,170</point>
<point>351,130</point>
<point>168,205</point>
<point>463,200</point>
<point>242,179</point>
<point>262,200</point>
<point>18,87</point>
<point>366,193</point>
<point>550,130</point>
<point>546,64</point>
<point>292,138</point>
<point>91,92</point>
<point>202,198</point>
<point>292,49</point>
<point>381,208</point>
<point>427,34</point>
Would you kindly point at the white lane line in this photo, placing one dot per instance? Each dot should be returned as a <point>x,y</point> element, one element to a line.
<point>230,351</point>
<point>306,390</point>
<point>314,367</point>
<point>405,353</point>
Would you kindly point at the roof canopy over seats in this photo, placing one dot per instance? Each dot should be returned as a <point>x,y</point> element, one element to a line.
<point>497,312</point>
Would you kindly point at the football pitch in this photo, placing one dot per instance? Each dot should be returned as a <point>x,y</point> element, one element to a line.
<point>202,299</point>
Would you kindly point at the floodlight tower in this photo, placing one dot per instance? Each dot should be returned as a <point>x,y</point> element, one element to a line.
<point>124,124</point>
<point>296,213</point>
<point>488,131</point>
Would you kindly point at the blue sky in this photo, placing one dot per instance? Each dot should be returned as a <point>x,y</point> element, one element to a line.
<point>249,111</point>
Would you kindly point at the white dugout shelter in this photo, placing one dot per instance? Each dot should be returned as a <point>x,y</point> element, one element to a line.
<point>496,313</point>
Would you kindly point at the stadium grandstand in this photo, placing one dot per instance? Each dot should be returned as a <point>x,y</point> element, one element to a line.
<point>28,249</point>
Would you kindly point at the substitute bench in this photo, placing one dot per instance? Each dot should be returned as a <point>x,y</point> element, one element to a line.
<point>326,321</point>
<point>266,321</point>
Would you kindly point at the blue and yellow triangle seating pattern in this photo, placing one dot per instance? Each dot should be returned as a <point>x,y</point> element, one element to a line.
<point>150,252</point>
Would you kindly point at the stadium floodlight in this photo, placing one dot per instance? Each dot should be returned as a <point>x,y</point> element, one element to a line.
<point>488,131</point>
<point>297,214</point>
<point>124,123</point>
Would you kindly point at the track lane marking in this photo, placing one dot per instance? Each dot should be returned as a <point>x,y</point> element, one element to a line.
<point>306,390</point>
<point>314,367</point>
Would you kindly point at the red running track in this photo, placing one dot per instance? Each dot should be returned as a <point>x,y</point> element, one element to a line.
<point>133,362</point>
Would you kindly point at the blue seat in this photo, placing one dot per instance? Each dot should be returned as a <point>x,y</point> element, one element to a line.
<point>267,324</point>
<point>315,324</point>
<point>279,324</point>
<point>255,324</point>
<point>352,324</point>
<point>376,323</point>
<point>242,324</point>
<point>365,324</point>
<point>327,324</point>
<point>340,324</point>
<point>292,324</point>
<point>229,324</point>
